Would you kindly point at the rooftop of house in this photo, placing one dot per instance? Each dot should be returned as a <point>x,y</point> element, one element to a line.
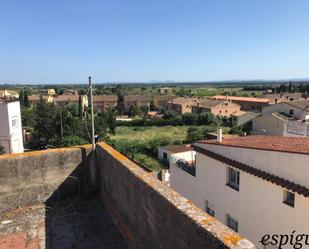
<point>35,97</point>
<point>209,103</point>
<point>239,113</point>
<point>282,115</point>
<point>6,101</point>
<point>177,148</point>
<point>275,179</point>
<point>183,101</point>
<point>300,104</point>
<point>243,99</point>
<point>298,145</point>
<point>282,95</point>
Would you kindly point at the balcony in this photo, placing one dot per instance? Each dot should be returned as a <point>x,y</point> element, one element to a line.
<point>188,167</point>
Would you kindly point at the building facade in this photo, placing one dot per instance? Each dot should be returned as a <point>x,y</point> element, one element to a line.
<point>256,185</point>
<point>104,102</point>
<point>181,151</point>
<point>246,103</point>
<point>33,99</point>
<point>282,97</point>
<point>11,136</point>
<point>284,119</point>
<point>160,102</point>
<point>216,107</point>
<point>8,94</point>
<point>65,100</point>
<point>181,105</point>
<point>135,100</point>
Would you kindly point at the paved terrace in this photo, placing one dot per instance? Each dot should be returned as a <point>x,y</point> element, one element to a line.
<point>71,199</point>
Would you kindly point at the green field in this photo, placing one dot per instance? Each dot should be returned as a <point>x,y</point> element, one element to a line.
<point>148,133</point>
<point>131,136</point>
<point>130,140</point>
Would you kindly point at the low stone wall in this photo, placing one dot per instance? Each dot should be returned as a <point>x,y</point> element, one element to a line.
<point>30,178</point>
<point>147,213</point>
<point>150,214</point>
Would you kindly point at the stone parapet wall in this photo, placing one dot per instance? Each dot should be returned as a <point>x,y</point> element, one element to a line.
<point>153,215</point>
<point>31,178</point>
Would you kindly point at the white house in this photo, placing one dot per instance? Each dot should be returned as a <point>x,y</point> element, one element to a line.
<point>180,151</point>
<point>256,185</point>
<point>181,154</point>
<point>11,137</point>
<point>289,119</point>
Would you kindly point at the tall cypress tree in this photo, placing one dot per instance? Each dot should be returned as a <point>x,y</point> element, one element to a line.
<point>80,107</point>
<point>21,97</point>
<point>26,99</point>
<point>290,87</point>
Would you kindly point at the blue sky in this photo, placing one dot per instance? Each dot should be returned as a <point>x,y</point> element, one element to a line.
<point>64,41</point>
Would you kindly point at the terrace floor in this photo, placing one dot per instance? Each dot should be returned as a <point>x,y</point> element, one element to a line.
<point>74,223</point>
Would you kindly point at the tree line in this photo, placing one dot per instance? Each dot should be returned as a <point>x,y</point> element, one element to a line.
<point>64,126</point>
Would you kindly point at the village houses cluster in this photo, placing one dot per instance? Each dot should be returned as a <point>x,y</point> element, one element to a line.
<point>256,184</point>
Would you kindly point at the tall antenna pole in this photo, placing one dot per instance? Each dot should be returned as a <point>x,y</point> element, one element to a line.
<point>92,117</point>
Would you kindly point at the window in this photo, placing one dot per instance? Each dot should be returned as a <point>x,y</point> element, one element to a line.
<point>225,111</point>
<point>231,223</point>
<point>233,178</point>
<point>164,156</point>
<point>252,107</point>
<point>291,112</point>
<point>14,122</point>
<point>209,208</point>
<point>289,198</point>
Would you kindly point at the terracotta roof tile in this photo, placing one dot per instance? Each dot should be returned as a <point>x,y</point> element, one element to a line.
<point>273,143</point>
<point>178,148</point>
<point>302,190</point>
<point>301,104</point>
<point>244,99</point>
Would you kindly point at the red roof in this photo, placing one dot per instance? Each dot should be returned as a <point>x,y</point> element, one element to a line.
<point>302,190</point>
<point>272,143</point>
<point>244,99</point>
<point>177,148</point>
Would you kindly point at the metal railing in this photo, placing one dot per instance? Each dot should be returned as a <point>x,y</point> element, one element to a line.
<point>183,165</point>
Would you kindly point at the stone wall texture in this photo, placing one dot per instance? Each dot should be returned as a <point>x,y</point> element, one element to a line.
<point>148,213</point>
<point>31,178</point>
<point>151,214</point>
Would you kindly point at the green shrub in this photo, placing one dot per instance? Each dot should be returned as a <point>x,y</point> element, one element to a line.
<point>72,141</point>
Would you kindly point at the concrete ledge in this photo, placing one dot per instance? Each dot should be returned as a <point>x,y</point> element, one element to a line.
<point>156,216</point>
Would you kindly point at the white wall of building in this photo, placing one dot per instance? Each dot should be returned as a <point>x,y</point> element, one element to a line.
<point>10,127</point>
<point>296,129</point>
<point>284,107</point>
<point>258,205</point>
<point>294,167</point>
<point>268,124</point>
<point>186,155</point>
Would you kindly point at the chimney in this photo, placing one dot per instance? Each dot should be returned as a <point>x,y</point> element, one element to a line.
<point>219,135</point>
